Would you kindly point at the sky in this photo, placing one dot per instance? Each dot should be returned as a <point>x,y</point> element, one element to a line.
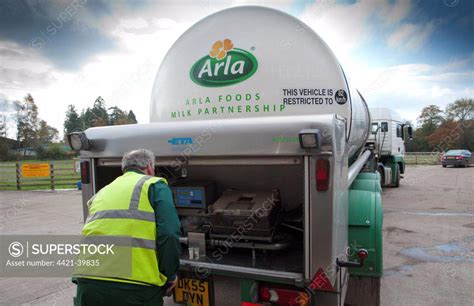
<point>398,53</point>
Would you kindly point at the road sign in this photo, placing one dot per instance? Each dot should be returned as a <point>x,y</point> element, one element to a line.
<point>35,170</point>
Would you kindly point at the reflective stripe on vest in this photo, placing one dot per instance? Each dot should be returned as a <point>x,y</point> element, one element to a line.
<point>132,212</point>
<point>108,207</point>
<point>121,241</point>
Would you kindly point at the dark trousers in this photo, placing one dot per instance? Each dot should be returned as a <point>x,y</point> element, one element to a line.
<point>105,293</point>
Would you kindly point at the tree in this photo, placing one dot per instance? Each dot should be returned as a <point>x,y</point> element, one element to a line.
<point>99,111</point>
<point>97,115</point>
<point>46,134</point>
<point>131,117</point>
<point>73,122</point>
<point>6,107</point>
<point>453,135</point>
<point>462,109</point>
<point>82,118</point>
<point>419,142</point>
<point>446,137</point>
<point>3,125</point>
<point>468,139</point>
<point>431,117</point>
<point>4,151</point>
<point>53,151</point>
<point>27,121</point>
<point>117,116</point>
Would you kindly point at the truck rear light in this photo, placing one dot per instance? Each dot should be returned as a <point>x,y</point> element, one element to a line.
<point>362,254</point>
<point>458,157</point>
<point>322,174</point>
<point>85,172</point>
<point>283,296</point>
<point>79,141</point>
<point>251,304</point>
<point>310,139</point>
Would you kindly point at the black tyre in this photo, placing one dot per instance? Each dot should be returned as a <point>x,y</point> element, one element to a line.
<point>397,178</point>
<point>382,176</point>
<point>444,166</point>
<point>363,291</point>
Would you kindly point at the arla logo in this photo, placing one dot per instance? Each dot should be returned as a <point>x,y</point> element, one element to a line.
<point>225,65</point>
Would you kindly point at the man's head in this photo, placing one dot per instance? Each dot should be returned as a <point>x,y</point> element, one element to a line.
<point>141,159</point>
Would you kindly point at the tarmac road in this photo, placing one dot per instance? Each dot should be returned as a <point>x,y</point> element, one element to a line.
<point>428,239</point>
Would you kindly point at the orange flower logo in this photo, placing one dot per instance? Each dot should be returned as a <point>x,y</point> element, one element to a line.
<point>220,48</point>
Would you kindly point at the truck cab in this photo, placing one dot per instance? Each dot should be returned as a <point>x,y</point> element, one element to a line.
<point>387,137</point>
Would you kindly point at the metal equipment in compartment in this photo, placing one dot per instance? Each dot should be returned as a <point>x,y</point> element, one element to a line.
<point>250,214</point>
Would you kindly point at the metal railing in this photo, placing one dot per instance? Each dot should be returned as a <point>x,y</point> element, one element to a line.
<point>39,175</point>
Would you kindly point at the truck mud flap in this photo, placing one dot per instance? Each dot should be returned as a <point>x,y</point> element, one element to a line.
<point>365,229</point>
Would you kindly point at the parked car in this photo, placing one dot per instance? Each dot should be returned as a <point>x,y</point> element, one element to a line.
<point>457,158</point>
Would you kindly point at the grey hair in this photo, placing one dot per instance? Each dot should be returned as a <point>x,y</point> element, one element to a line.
<point>139,158</point>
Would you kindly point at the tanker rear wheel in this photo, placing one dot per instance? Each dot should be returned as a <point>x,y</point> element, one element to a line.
<point>397,178</point>
<point>382,176</point>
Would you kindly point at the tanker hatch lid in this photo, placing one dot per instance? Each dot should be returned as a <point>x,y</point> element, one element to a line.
<point>237,137</point>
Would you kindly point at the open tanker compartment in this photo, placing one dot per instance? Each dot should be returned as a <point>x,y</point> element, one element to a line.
<point>242,215</point>
<point>255,221</point>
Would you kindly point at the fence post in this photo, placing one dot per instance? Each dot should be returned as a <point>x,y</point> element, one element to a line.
<point>51,169</point>
<point>416,159</point>
<point>18,186</point>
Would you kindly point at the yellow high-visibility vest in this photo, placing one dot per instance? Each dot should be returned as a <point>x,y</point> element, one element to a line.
<point>122,211</point>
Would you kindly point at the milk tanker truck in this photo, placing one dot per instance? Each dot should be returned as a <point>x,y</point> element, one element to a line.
<point>263,142</point>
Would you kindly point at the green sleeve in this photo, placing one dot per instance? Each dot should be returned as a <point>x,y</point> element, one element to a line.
<point>168,229</point>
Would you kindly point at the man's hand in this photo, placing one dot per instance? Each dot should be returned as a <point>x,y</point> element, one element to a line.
<point>170,286</point>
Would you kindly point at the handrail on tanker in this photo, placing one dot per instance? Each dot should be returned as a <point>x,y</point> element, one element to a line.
<point>357,165</point>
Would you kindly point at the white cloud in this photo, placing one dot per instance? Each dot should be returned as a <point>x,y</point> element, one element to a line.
<point>164,23</point>
<point>14,56</point>
<point>411,36</point>
<point>133,23</point>
<point>396,12</point>
<point>23,79</point>
<point>346,27</point>
<point>405,87</point>
<point>342,27</point>
<point>23,69</point>
<point>460,63</point>
<point>401,34</point>
<point>438,92</point>
<point>408,88</point>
